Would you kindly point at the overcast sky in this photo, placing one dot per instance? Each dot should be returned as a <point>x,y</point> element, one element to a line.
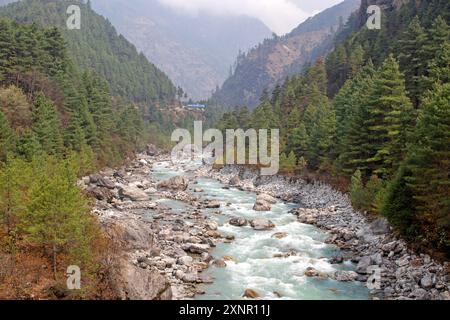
<point>279,15</point>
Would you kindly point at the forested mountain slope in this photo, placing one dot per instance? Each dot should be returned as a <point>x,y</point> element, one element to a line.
<point>98,46</point>
<point>374,118</point>
<point>275,59</point>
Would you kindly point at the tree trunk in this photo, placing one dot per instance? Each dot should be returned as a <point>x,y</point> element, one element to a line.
<point>54,261</point>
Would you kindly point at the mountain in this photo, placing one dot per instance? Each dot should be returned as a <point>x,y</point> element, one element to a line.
<point>195,51</point>
<point>98,46</point>
<point>279,57</point>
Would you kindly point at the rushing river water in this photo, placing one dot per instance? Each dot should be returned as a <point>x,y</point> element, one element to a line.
<point>254,265</point>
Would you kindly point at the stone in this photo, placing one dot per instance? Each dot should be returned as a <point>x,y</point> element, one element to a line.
<point>235,181</point>
<point>262,206</point>
<point>337,260</point>
<point>262,224</point>
<point>176,183</point>
<point>133,193</point>
<point>266,198</point>
<point>345,276</point>
<point>106,183</point>
<point>214,204</point>
<point>363,264</point>
<point>206,257</point>
<point>219,263</point>
<point>427,281</point>
<point>380,227</point>
<point>445,295</point>
<point>279,235</point>
<point>196,248</point>
<point>228,258</point>
<point>250,294</point>
<point>212,225</point>
<point>152,150</point>
<point>388,247</point>
<point>185,261</point>
<point>420,294</point>
<point>190,277</point>
<point>311,272</point>
<point>238,222</point>
<point>197,190</point>
<point>101,194</point>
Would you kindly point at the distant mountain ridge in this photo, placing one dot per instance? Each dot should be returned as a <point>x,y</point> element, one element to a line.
<point>195,51</point>
<point>275,59</point>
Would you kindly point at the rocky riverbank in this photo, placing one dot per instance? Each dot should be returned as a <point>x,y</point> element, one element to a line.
<point>161,255</point>
<point>394,271</point>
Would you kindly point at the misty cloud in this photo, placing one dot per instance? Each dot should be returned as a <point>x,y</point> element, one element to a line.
<point>281,16</point>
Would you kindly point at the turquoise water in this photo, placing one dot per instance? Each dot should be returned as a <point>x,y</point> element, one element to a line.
<point>254,265</point>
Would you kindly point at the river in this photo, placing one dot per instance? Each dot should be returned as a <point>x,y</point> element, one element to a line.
<point>256,262</point>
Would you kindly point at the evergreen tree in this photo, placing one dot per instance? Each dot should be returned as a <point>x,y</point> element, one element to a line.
<point>7,139</point>
<point>391,119</point>
<point>413,58</point>
<point>46,125</point>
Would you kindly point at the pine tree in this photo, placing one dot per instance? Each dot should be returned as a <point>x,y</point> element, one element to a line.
<point>46,125</point>
<point>413,58</point>
<point>430,166</point>
<point>57,214</point>
<point>391,119</point>
<point>7,138</point>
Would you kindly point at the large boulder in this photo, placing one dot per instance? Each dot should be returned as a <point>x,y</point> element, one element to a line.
<point>238,222</point>
<point>345,276</point>
<point>262,206</point>
<point>262,224</point>
<point>175,183</point>
<point>196,248</point>
<point>363,265</point>
<point>380,227</point>
<point>101,194</point>
<point>152,150</point>
<point>133,193</point>
<point>235,181</point>
<point>266,198</point>
<point>251,294</point>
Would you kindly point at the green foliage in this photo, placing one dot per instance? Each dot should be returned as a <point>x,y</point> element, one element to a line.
<point>288,164</point>
<point>46,125</point>
<point>6,137</point>
<point>96,46</point>
<point>57,214</point>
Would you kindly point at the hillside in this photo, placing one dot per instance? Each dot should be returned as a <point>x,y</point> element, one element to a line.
<point>195,51</point>
<point>373,119</point>
<point>98,46</point>
<point>277,58</point>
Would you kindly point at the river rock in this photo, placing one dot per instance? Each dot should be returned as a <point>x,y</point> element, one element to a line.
<point>101,194</point>
<point>196,248</point>
<point>279,235</point>
<point>238,222</point>
<point>363,264</point>
<point>185,261</point>
<point>235,181</point>
<point>152,150</point>
<point>250,294</point>
<point>380,226</point>
<point>262,224</point>
<point>133,193</point>
<point>214,204</point>
<point>427,281</point>
<point>262,205</point>
<point>345,276</point>
<point>219,263</point>
<point>175,183</point>
<point>266,198</point>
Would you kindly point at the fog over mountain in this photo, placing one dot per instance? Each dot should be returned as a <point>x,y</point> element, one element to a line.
<point>196,51</point>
